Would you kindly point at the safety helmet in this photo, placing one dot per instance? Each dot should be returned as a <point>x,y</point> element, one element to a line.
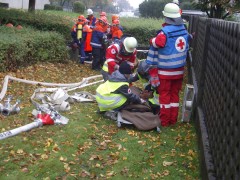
<point>116,22</point>
<point>103,13</point>
<point>114,17</point>
<point>171,10</point>
<point>81,17</point>
<point>89,12</point>
<point>176,2</point>
<point>130,43</point>
<point>103,19</point>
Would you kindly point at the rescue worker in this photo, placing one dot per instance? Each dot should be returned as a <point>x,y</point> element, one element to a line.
<point>87,33</point>
<point>115,94</point>
<point>116,17</point>
<point>117,53</point>
<point>115,32</point>
<point>103,14</point>
<point>77,36</point>
<point>148,76</point>
<point>172,45</point>
<point>97,43</point>
<point>91,19</point>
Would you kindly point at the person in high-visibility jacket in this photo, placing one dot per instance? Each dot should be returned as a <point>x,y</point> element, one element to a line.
<point>115,94</point>
<point>172,45</point>
<point>148,76</point>
<point>77,36</point>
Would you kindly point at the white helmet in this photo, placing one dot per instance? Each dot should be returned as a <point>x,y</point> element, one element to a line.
<point>89,12</point>
<point>176,2</point>
<point>130,43</point>
<point>171,10</point>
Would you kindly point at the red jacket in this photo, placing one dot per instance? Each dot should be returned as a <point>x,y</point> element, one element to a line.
<point>114,57</point>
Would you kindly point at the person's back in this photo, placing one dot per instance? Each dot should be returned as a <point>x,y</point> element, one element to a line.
<point>97,43</point>
<point>172,45</point>
<point>114,94</point>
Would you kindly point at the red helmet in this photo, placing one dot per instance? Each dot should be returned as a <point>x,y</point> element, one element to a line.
<point>103,13</point>
<point>103,19</point>
<point>81,17</point>
<point>114,17</point>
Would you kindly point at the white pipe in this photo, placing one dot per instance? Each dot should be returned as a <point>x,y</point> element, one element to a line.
<point>72,85</point>
<point>27,127</point>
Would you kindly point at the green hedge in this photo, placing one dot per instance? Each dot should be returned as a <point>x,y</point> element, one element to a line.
<point>38,19</point>
<point>27,46</point>
<point>52,7</point>
<point>142,28</point>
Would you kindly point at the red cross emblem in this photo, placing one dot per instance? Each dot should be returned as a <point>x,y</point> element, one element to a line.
<point>180,44</point>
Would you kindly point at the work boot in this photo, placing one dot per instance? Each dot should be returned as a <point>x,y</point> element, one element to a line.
<point>111,115</point>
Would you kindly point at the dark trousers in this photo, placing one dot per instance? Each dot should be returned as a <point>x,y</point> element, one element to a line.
<point>97,54</point>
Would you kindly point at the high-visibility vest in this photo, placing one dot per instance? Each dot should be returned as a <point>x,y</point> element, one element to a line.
<point>105,66</point>
<point>155,98</point>
<point>144,81</point>
<point>105,97</point>
<point>79,31</point>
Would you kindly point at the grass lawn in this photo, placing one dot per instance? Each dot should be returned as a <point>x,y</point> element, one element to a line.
<point>89,146</point>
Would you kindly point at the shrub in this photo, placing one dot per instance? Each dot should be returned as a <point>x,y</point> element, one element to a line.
<point>78,7</point>
<point>141,28</point>
<point>52,7</point>
<point>27,46</point>
<point>38,19</point>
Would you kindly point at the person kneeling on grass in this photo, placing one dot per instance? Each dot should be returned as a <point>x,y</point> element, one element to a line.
<point>114,94</point>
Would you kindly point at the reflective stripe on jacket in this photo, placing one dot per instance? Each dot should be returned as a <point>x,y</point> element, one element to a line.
<point>174,53</point>
<point>105,97</point>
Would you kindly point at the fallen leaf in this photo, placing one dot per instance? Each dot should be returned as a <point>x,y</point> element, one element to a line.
<point>166,163</point>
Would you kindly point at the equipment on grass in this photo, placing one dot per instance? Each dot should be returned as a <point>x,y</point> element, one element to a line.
<point>43,116</point>
<point>8,109</point>
<point>187,103</point>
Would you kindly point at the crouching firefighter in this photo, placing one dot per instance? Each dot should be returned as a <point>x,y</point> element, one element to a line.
<point>114,94</point>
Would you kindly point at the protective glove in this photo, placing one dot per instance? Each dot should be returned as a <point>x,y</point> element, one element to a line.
<point>154,80</point>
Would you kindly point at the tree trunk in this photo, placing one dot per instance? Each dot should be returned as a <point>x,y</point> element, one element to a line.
<point>31,6</point>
